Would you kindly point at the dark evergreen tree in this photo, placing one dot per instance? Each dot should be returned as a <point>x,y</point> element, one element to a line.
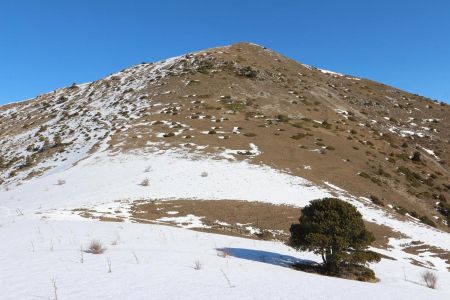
<point>335,230</point>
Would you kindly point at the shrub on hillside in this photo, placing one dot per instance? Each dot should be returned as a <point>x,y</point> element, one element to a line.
<point>248,72</point>
<point>415,156</point>
<point>335,230</point>
<point>96,247</point>
<point>145,182</point>
<point>443,207</point>
<point>430,279</point>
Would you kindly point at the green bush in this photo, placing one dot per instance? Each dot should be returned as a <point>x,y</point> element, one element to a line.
<point>335,230</point>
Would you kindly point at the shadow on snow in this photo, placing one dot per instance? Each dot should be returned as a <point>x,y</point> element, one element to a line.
<point>272,258</point>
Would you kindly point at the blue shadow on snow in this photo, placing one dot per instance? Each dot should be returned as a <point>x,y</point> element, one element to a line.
<point>272,258</point>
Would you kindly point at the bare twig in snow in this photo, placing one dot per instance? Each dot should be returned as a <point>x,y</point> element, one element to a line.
<point>108,261</point>
<point>81,254</point>
<point>197,265</point>
<point>55,289</point>
<point>430,279</point>
<point>135,257</point>
<point>227,279</point>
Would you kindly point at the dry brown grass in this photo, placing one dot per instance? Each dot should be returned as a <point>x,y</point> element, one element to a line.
<point>96,247</point>
<point>227,217</point>
<point>145,182</point>
<point>430,279</point>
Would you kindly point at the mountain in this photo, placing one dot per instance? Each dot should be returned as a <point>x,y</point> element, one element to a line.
<point>231,140</point>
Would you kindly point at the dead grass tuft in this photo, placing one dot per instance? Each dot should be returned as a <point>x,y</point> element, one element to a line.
<point>96,247</point>
<point>430,279</point>
<point>145,182</point>
<point>197,265</point>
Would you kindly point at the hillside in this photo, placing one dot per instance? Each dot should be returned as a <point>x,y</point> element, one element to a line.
<point>232,141</point>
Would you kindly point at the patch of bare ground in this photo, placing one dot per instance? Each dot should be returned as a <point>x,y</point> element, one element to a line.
<point>382,234</point>
<point>418,247</point>
<point>232,217</point>
<point>93,214</point>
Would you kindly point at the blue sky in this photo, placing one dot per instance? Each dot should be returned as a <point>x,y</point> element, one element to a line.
<point>47,44</point>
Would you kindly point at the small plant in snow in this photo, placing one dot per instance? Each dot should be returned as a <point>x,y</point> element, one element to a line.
<point>81,254</point>
<point>227,279</point>
<point>61,182</point>
<point>145,182</point>
<point>222,253</point>
<point>96,247</point>
<point>135,257</point>
<point>430,279</point>
<point>108,261</point>
<point>204,174</point>
<point>55,289</point>
<point>197,265</point>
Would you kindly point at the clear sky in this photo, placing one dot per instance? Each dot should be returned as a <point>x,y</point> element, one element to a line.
<point>47,44</point>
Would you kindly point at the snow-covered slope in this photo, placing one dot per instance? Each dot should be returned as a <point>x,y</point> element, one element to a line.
<point>40,246</point>
<point>157,262</point>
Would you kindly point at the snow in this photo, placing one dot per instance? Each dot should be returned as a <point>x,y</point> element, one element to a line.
<point>117,177</point>
<point>430,152</point>
<point>189,221</point>
<point>157,262</point>
<point>405,132</point>
<point>173,174</point>
<point>330,72</point>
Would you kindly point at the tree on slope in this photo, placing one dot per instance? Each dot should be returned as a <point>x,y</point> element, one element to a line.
<point>335,230</point>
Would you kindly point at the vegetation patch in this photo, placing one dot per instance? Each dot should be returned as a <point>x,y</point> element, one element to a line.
<point>335,230</point>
